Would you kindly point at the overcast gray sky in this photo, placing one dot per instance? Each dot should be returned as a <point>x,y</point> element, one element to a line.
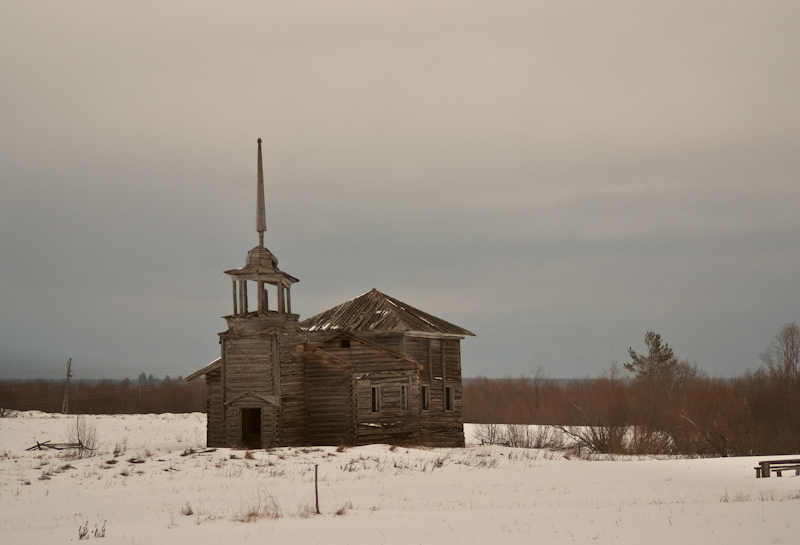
<point>558,177</point>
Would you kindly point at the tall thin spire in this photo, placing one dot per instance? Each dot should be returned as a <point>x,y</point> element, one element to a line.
<point>261,215</point>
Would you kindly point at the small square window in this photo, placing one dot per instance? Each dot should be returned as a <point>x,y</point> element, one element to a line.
<point>376,399</point>
<point>345,343</point>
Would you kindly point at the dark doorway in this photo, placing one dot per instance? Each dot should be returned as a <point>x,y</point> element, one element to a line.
<point>251,428</point>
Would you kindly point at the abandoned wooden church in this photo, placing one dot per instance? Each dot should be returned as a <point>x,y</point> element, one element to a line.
<point>371,370</point>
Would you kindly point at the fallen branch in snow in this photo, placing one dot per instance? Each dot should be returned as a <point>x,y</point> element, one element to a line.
<point>47,445</point>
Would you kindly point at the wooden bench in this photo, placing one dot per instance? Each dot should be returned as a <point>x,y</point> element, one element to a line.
<point>778,466</point>
<point>796,470</point>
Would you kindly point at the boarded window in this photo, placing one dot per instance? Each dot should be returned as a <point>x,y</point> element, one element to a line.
<point>403,398</point>
<point>376,399</point>
<point>449,398</point>
<point>426,397</point>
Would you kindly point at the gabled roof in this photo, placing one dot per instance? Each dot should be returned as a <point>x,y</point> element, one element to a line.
<point>272,400</point>
<point>311,351</point>
<point>415,364</point>
<point>376,311</point>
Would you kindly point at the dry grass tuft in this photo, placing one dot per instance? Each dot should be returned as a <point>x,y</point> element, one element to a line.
<point>343,509</point>
<point>306,510</point>
<point>261,506</point>
<point>120,447</point>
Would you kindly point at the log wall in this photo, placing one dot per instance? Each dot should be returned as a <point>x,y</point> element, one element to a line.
<point>248,366</point>
<point>391,425</point>
<point>215,435</point>
<point>441,361</point>
<point>292,422</point>
<point>329,404</point>
<point>376,366</point>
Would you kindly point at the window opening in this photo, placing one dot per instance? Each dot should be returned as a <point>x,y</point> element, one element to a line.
<point>426,397</point>
<point>449,398</point>
<point>345,343</point>
<point>403,398</point>
<point>376,399</point>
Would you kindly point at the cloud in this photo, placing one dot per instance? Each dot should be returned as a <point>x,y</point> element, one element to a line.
<point>556,177</point>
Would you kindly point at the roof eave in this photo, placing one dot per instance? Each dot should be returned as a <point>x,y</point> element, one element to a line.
<point>437,335</point>
<point>205,370</point>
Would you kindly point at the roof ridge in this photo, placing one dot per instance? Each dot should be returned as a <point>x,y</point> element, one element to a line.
<point>377,311</point>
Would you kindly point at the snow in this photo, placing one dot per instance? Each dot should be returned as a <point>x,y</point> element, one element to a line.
<point>386,494</point>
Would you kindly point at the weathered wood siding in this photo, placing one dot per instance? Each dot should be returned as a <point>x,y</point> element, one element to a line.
<point>329,404</point>
<point>215,434</point>
<point>377,366</point>
<point>452,351</point>
<point>391,340</point>
<point>292,422</point>
<point>441,362</point>
<point>248,366</point>
<point>391,424</point>
<point>366,357</point>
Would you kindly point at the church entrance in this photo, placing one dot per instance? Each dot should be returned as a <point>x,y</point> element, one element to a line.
<point>251,427</point>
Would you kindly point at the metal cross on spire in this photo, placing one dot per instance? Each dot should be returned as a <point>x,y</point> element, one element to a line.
<point>261,216</point>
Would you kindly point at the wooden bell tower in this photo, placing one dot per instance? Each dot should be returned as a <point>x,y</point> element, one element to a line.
<point>261,270</point>
<point>255,348</point>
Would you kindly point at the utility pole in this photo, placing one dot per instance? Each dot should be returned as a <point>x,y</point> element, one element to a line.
<point>65,405</point>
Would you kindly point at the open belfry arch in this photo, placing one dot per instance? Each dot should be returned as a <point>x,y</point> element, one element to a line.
<point>370,370</point>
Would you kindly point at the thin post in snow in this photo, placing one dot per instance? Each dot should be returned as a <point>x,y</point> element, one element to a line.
<point>316,486</point>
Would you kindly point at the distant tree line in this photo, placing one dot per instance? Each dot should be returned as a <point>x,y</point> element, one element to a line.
<point>658,404</point>
<point>148,394</point>
<point>655,403</point>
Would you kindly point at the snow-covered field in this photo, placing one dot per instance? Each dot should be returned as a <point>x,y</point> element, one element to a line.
<point>181,493</point>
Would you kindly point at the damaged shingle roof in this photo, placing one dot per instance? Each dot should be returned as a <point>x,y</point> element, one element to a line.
<point>376,311</point>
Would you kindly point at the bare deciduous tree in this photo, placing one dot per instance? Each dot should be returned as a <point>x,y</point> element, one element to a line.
<point>600,408</point>
<point>84,434</point>
<point>782,358</point>
<point>540,378</point>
